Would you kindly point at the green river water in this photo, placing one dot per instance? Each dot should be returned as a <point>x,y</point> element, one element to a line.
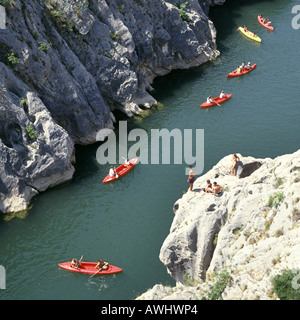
<point>126,222</point>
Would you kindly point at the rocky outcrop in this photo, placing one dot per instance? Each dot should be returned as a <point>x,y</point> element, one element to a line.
<point>88,58</point>
<point>35,152</point>
<point>252,229</point>
<point>65,65</point>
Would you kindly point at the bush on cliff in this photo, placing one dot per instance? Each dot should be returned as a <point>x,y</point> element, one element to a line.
<point>286,285</point>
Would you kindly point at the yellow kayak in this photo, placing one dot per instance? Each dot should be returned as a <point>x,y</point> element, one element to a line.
<point>250,35</point>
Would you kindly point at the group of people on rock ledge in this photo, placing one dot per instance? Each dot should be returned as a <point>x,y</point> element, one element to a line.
<point>215,188</point>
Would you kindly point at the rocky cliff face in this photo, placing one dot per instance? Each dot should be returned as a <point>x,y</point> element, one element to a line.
<point>252,230</point>
<point>65,65</point>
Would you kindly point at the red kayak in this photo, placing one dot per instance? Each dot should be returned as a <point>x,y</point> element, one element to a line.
<point>244,71</point>
<point>216,101</point>
<point>264,24</point>
<point>89,268</point>
<point>121,170</point>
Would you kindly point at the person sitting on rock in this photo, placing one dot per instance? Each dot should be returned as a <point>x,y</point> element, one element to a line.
<point>217,189</point>
<point>208,188</point>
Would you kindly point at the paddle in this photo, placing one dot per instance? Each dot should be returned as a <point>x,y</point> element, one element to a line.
<point>97,271</point>
<point>213,101</point>
<point>80,261</point>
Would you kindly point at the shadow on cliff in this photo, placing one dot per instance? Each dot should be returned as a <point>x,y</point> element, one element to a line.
<point>224,17</point>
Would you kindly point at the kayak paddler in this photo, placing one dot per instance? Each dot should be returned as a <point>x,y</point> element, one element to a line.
<point>238,69</point>
<point>209,100</point>
<point>101,265</point>
<point>75,263</point>
<point>222,95</point>
<point>127,163</point>
<point>112,172</point>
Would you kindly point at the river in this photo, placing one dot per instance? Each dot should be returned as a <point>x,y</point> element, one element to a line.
<point>126,222</point>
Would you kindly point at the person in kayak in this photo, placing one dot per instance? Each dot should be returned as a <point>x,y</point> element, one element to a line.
<point>101,265</point>
<point>222,95</point>
<point>191,178</point>
<point>245,29</point>
<point>217,189</point>
<point>75,263</point>
<point>127,163</point>
<point>248,65</point>
<point>238,69</point>
<point>112,172</point>
<point>209,100</point>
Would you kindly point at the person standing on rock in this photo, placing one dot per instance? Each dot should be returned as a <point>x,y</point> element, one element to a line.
<point>234,164</point>
<point>191,178</point>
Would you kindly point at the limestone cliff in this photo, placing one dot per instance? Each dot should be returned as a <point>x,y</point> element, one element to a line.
<point>65,65</point>
<point>252,230</point>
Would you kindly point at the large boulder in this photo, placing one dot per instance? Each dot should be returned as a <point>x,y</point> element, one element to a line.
<point>251,229</point>
<point>35,152</point>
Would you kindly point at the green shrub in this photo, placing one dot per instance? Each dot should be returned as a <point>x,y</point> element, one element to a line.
<point>278,181</point>
<point>23,101</point>
<point>221,280</point>
<point>114,36</point>
<point>12,59</point>
<point>6,3</point>
<point>31,132</point>
<point>44,46</point>
<point>182,11</point>
<point>286,286</point>
<point>189,280</point>
<point>275,199</point>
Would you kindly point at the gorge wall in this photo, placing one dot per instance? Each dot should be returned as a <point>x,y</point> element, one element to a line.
<point>252,231</point>
<point>66,65</point>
